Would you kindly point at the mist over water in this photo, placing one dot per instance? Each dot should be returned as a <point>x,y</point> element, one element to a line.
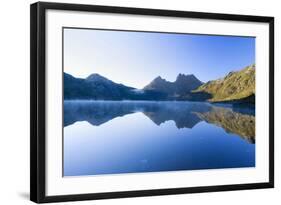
<point>114,137</point>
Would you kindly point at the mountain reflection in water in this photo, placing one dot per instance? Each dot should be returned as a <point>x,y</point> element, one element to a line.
<point>236,120</point>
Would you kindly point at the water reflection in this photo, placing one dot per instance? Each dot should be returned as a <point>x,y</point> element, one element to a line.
<point>239,120</point>
<point>232,122</point>
<point>114,137</point>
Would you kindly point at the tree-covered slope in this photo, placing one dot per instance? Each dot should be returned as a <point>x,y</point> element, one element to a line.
<point>235,86</point>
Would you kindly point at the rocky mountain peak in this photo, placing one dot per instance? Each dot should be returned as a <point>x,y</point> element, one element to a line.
<point>96,77</point>
<point>186,77</point>
<point>159,78</point>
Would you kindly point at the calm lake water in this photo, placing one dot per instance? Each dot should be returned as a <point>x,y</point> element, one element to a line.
<point>107,137</point>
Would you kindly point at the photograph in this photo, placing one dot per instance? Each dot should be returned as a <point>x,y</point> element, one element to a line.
<point>134,102</point>
<point>137,102</point>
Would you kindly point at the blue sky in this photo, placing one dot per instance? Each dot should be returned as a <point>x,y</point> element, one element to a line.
<point>136,58</point>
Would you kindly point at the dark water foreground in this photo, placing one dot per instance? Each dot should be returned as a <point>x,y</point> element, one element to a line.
<point>112,137</point>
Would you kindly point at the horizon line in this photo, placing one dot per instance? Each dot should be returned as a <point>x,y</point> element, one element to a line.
<point>160,76</point>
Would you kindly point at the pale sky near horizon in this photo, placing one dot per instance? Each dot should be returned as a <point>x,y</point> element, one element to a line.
<point>136,58</point>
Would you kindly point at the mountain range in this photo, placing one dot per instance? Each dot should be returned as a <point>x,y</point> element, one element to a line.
<point>235,87</point>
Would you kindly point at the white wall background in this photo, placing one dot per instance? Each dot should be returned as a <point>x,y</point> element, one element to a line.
<point>14,103</point>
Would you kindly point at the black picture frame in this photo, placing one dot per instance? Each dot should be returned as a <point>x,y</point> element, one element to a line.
<point>38,103</point>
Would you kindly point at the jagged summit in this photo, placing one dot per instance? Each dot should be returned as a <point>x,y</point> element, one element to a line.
<point>181,75</point>
<point>181,86</point>
<point>188,78</point>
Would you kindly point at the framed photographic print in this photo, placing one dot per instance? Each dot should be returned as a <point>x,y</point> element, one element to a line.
<point>129,102</point>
